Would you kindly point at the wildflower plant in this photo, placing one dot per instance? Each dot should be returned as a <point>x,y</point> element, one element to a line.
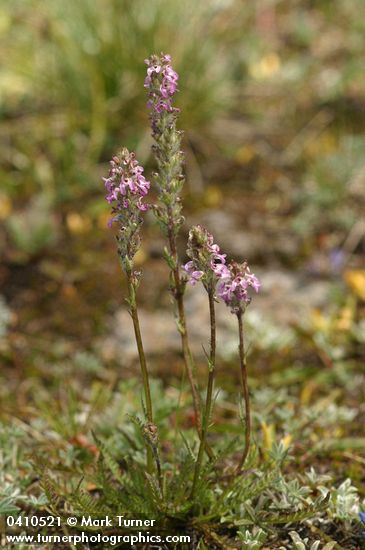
<point>127,188</point>
<point>193,492</point>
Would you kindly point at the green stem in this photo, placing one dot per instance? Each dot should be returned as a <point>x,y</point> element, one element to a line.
<point>209,395</point>
<point>187,355</point>
<point>179,298</point>
<point>245,392</point>
<point>142,360</point>
<point>169,161</point>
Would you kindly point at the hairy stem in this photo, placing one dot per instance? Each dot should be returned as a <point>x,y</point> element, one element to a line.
<point>179,298</point>
<point>209,395</point>
<point>187,355</point>
<point>142,360</point>
<point>245,393</point>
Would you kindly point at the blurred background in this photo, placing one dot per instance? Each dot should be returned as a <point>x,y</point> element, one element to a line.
<point>272,98</point>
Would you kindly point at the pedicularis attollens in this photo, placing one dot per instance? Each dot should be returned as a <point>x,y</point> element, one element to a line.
<point>231,282</point>
<point>193,486</point>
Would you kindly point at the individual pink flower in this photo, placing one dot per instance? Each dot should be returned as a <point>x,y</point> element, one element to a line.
<point>194,275</point>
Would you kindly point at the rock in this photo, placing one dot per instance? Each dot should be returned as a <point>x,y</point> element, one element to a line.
<point>285,298</point>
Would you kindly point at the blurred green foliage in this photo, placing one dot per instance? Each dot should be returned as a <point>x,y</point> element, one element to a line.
<point>72,75</point>
<point>73,81</point>
<point>271,96</point>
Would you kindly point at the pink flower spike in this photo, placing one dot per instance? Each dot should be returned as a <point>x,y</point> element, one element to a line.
<point>126,185</point>
<point>161,83</point>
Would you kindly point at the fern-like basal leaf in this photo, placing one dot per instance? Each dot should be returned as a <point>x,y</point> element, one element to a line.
<point>136,421</point>
<point>155,490</point>
<point>259,485</point>
<point>187,447</point>
<point>242,488</point>
<point>109,460</point>
<point>309,511</point>
<point>89,505</point>
<point>50,489</point>
<point>139,500</point>
<point>179,486</point>
<point>111,495</point>
<point>210,467</point>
